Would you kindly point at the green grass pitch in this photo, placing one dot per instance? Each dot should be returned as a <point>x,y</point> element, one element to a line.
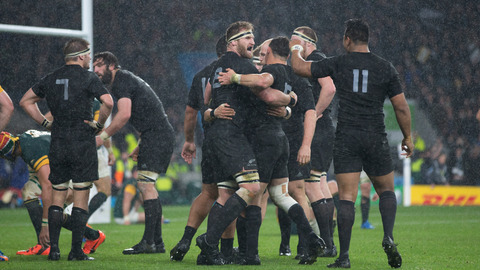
<point>427,237</point>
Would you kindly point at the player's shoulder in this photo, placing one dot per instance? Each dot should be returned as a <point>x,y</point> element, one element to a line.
<point>379,63</point>
<point>316,55</point>
<point>206,71</point>
<point>272,68</point>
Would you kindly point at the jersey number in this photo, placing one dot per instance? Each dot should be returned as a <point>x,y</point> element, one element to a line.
<point>65,87</point>
<point>356,73</point>
<point>288,88</point>
<point>216,83</point>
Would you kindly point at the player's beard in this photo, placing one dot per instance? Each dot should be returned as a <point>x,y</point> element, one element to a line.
<point>107,77</point>
<point>245,53</point>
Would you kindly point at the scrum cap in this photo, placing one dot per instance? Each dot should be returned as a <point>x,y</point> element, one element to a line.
<point>7,144</point>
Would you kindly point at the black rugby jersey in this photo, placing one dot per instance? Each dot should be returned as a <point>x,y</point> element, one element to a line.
<point>147,109</point>
<point>69,92</point>
<point>237,96</point>
<point>197,90</point>
<point>363,81</point>
<point>283,77</point>
<point>305,102</point>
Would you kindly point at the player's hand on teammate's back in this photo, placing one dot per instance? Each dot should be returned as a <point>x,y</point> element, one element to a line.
<point>279,111</point>
<point>224,111</point>
<point>225,78</point>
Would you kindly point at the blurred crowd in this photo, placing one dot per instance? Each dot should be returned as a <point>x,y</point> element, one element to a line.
<point>435,46</point>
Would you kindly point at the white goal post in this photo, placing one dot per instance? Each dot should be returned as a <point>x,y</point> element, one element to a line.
<point>102,215</point>
<point>86,32</point>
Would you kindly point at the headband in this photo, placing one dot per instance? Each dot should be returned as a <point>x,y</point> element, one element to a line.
<point>86,51</point>
<point>303,36</point>
<point>240,35</point>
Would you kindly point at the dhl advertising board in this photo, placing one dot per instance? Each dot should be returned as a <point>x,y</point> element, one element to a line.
<point>445,195</point>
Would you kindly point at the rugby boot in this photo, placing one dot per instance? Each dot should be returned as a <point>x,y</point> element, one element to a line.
<point>250,260</point>
<point>140,248</point>
<point>315,245</point>
<point>202,259</point>
<point>285,250</point>
<point>92,245</point>
<point>3,258</point>
<point>390,248</point>
<point>340,263</point>
<point>160,247</point>
<point>54,254</point>
<point>328,252</point>
<point>79,256</point>
<point>213,255</point>
<point>367,225</point>
<point>35,250</point>
<point>180,250</point>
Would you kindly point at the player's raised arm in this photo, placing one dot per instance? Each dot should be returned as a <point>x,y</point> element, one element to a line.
<point>299,65</point>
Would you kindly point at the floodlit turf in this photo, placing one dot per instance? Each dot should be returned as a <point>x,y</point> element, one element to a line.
<point>427,237</point>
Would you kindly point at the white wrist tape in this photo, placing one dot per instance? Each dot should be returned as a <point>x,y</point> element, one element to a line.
<point>297,47</point>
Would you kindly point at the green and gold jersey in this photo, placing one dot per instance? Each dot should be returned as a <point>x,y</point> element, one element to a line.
<point>35,146</point>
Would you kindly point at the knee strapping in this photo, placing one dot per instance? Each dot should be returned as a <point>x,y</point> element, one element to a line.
<point>230,184</point>
<point>61,187</point>
<point>148,177</point>
<point>246,177</point>
<point>315,178</point>
<point>279,195</point>
<point>82,186</point>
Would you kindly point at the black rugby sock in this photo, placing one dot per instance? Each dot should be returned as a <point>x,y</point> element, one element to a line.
<point>68,223</point>
<point>189,233</point>
<point>96,202</point>
<point>213,216</point>
<point>226,246</point>
<point>158,227</point>
<point>242,234</point>
<point>365,206</point>
<point>388,210</point>
<point>230,211</point>
<point>253,215</point>
<point>79,220</point>
<point>345,219</point>
<point>151,210</point>
<point>285,227</point>
<point>320,209</point>
<point>330,210</point>
<point>55,218</point>
<point>336,201</point>
<point>297,215</point>
<point>35,211</point>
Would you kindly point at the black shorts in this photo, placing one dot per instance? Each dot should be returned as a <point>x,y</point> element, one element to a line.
<point>322,144</point>
<point>155,150</point>
<point>208,167</point>
<point>231,154</point>
<point>355,150</point>
<point>74,160</point>
<point>295,170</point>
<point>271,151</point>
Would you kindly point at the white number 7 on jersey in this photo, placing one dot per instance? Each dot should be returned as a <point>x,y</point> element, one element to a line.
<point>65,87</point>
